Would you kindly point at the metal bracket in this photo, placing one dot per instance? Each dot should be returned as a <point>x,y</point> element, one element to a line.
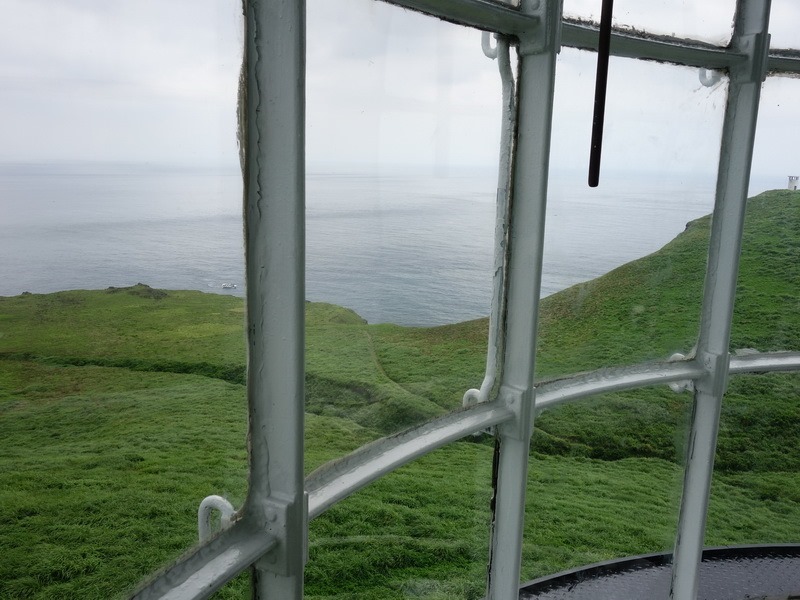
<point>489,51</point>
<point>536,41</point>
<point>756,47</point>
<point>277,518</point>
<point>716,366</point>
<point>709,77</point>
<point>520,402</point>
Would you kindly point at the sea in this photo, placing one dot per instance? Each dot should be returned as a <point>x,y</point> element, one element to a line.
<point>404,246</point>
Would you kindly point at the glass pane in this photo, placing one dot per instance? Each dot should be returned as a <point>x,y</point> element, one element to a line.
<point>783,20</point>
<point>401,189</point>
<point>401,192</point>
<point>402,164</point>
<point>767,292</point>
<point>613,465</point>
<point>755,492</point>
<point>774,154</point>
<point>121,403</point>
<point>757,457</point>
<point>705,21</point>
<point>607,476</point>
<point>120,166</point>
<point>605,479</point>
<point>657,179</point>
<point>421,532</point>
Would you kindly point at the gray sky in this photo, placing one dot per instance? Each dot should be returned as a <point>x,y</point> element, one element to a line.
<point>155,81</point>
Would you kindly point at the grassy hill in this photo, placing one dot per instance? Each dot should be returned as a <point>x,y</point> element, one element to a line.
<point>121,409</point>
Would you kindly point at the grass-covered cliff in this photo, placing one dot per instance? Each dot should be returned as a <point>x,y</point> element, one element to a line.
<point>121,409</point>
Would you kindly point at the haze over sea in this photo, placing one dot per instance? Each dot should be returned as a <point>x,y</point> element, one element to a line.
<point>402,247</point>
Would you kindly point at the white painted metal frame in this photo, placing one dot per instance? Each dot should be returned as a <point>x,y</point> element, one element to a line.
<point>750,38</point>
<point>269,532</point>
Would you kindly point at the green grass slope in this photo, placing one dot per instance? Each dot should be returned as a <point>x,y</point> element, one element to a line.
<point>645,310</point>
<point>121,409</point>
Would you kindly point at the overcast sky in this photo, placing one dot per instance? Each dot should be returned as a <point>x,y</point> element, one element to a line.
<point>155,81</point>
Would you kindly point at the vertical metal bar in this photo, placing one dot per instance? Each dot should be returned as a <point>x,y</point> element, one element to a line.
<point>750,36</point>
<point>537,59</point>
<point>274,242</point>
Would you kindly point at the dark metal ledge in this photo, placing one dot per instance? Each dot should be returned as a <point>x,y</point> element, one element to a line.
<point>770,572</point>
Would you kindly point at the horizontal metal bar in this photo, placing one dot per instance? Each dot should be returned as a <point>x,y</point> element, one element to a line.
<point>638,44</point>
<point>486,15</point>
<point>575,387</point>
<point>783,61</point>
<point>765,362</point>
<point>204,570</point>
<point>560,391</point>
<point>338,479</point>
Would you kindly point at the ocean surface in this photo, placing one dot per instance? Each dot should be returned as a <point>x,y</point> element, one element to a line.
<point>402,247</point>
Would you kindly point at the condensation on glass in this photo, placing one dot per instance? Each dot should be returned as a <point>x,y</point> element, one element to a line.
<point>270,530</point>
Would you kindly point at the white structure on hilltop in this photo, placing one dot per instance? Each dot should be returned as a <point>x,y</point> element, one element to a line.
<point>793,182</point>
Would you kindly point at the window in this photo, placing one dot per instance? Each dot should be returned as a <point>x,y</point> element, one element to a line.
<point>270,530</point>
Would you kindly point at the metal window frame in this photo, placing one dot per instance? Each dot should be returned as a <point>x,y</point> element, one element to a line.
<point>269,532</point>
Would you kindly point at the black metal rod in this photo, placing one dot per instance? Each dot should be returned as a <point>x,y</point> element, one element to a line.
<point>600,85</point>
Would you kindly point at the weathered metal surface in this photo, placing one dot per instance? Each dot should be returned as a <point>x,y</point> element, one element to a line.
<point>508,125</point>
<point>271,530</point>
<point>526,224</point>
<point>784,61</point>
<point>275,266</point>
<point>631,43</point>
